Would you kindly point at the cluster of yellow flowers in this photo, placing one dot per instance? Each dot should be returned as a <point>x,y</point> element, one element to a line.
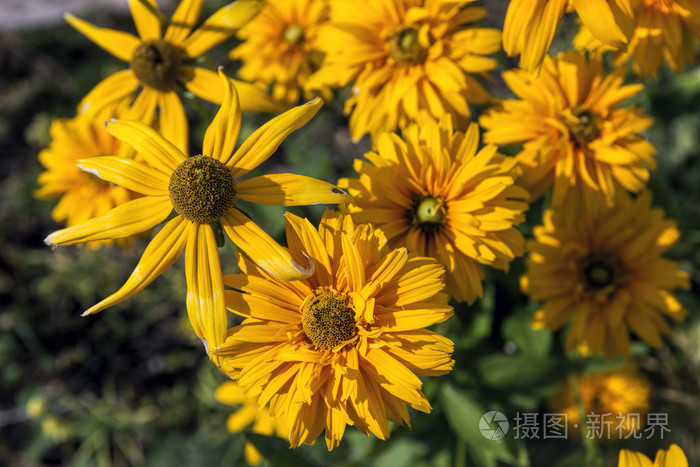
<point>333,329</point>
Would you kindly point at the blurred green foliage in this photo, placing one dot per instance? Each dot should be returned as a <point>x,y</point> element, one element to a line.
<point>132,386</point>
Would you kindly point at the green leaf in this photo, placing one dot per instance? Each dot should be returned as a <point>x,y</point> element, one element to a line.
<point>513,372</point>
<point>517,328</point>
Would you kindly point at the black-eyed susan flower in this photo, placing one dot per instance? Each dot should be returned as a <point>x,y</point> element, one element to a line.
<point>618,397</point>
<point>202,190</point>
<point>344,346</point>
<point>530,25</point>
<point>604,273</point>
<point>81,195</point>
<point>280,48</point>
<point>437,195</point>
<point>158,61</point>
<point>249,414</point>
<point>575,135</point>
<point>671,457</point>
<point>666,30</point>
<point>405,57</point>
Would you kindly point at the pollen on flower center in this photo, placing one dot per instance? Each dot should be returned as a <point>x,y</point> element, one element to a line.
<point>293,34</point>
<point>202,189</point>
<point>583,125</point>
<point>599,271</point>
<point>429,213</point>
<point>405,47</point>
<point>156,63</point>
<point>328,320</point>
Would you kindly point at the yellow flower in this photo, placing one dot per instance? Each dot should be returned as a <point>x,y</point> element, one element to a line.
<point>157,62</point>
<point>673,457</point>
<point>666,29</point>
<point>574,135</point>
<point>605,273</point>
<point>530,25</point>
<point>82,196</point>
<point>281,47</point>
<point>405,57</point>
<point>249,413</point>
<point>202,191</point>
<point>344,346</point>
<point>619,396</point>
<point>436,195</point>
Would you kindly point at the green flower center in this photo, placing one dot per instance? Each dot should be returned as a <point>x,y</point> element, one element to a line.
<point>429,213</point>
<point>583,125</point>
<point>293,34</point>
<point>156,63</point>
<point>202,189</point>
<point>600,271</point>
<point>405,48</point>
<point>328,320</point>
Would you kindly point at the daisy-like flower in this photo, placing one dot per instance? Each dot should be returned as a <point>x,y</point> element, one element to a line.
<point>665,30</point>
<point>202,190</point>
<point>530,25</point>
<point>280,47</point>
<point>605,273</point>
<point>575,136</point>
<point>344,346</point>
<point>81,195</point>
<point>405,57</point>
<point>249,413</point>
<point>158,61</point>
<point>620,396</point>
<point>436,195</point>
<point>673,457</point>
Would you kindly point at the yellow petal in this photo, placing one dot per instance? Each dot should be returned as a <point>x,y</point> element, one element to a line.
<point>632,459</point>
<point>290,190</point>
<point>302,236</point>
<point>118,43</point>
<point>157,151</point>
<point>222,134</point>
<point>111,89</point>
<point>674,457</point>
<point>172,120</point>
<point>147,17</point>
<point>262,249</point>
<point>125,220</point>
<point>144,107</point>
<point>229,393</point>
<point>128,173</point>
<point>183,20</point>
<point>354,265</point>
<point>205,286</point>
<point>206,85</point>
<point>220,26</point>
<point>265,140</point>
<point>160,254</point>
<point>610,21</point>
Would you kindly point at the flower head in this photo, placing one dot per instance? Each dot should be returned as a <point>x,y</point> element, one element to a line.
<point>672,457</point>
<point>82,196</point>
<point>605,273</point>
<point>280,47</point>
<point>665,30</point>
<point>575,136</point>
<point>621,394</point>
<point>405,57</point>
<point>158,60</point>
<point>530,25</point>
<point>344,346</point>
<point>436,195</point>
<point>202,191</point>
<point>249,413</point>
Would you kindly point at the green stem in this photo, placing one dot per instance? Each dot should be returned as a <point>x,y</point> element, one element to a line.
<point>592,454</point>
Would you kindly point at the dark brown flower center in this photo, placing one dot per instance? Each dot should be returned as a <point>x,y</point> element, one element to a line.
<point>583,125</point>
<point>328,320</point>
<point>599,271</point>
<point>429,213</point>
<point>293,34</point>
<point>156,63</point>
<point>405,47</point>
<point>202,189</point>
